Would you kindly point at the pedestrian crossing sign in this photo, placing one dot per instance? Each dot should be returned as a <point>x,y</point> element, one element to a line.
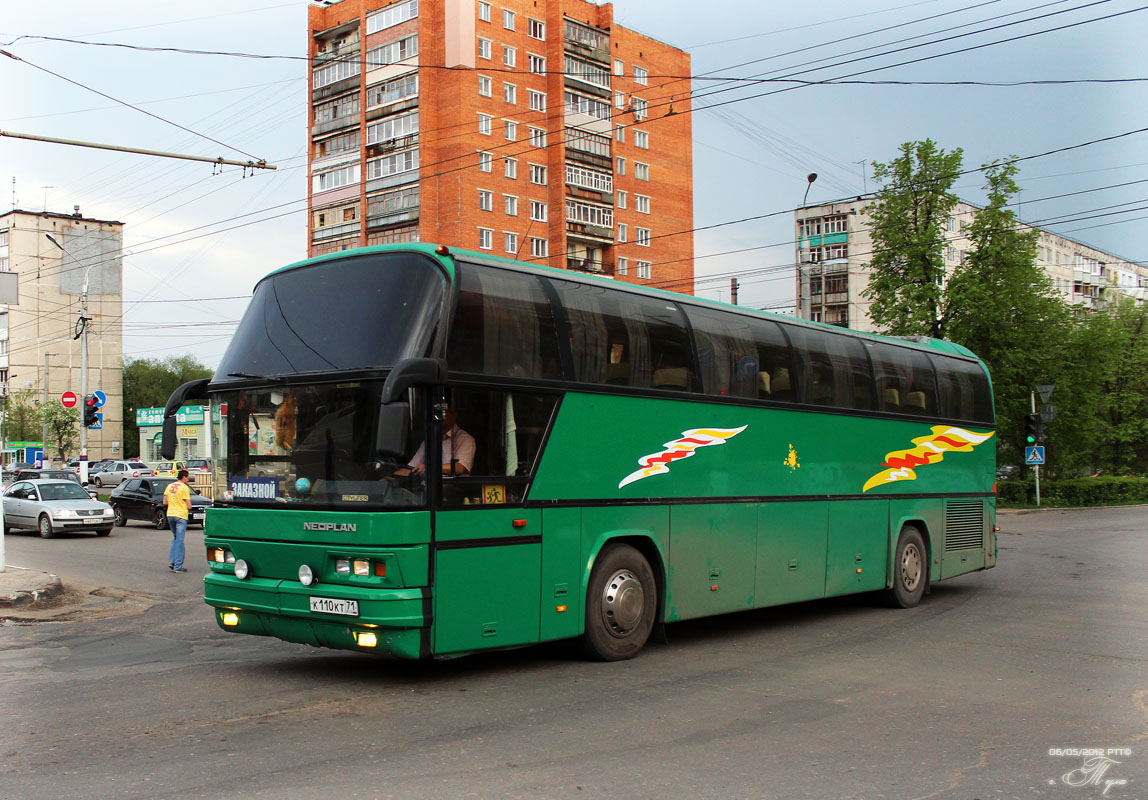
<point>1034,455</point>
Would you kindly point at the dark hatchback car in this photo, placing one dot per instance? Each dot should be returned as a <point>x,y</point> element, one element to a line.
<point>142,498</point>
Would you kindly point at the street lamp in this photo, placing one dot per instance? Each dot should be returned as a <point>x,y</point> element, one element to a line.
<point>802,276</point>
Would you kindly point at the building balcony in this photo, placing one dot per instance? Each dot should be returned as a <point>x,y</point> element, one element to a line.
<point>346,121</point>
<point>392,217</point>
<point>585,265</point>
<point>334,231</point>
<point>595,233</point>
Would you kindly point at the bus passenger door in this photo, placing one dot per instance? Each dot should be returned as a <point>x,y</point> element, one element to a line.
<point>487,578</point>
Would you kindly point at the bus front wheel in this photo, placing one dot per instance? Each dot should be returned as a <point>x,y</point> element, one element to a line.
<point>621,602</point>
<point>910,570</point>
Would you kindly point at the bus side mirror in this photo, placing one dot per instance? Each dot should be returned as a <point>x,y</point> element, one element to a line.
<point>191,390</point>
<point>167,446</point>
<point>394,426</point>
<point>413,372</point>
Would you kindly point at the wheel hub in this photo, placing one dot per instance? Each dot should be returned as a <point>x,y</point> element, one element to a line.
<point>623,602</point>
<point>911,568</point>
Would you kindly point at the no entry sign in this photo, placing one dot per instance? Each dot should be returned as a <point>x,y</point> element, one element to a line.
<point>69,399</point>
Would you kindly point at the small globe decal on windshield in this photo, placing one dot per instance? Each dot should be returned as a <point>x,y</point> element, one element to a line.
<point>303,485</point>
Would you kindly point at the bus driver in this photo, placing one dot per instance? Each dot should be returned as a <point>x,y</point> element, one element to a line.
<point>457,448</point>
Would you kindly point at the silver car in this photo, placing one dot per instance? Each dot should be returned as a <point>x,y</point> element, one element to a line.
<point>51,506</point>
<point>116,472</point>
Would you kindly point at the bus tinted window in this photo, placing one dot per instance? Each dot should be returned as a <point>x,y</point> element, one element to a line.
<point>906,382</point>
<point>503,326</point>
<point>964,390</point>
<point>727,354</point>
<point>835,369</point>
<point>776,378</point>
<point>626,339</point>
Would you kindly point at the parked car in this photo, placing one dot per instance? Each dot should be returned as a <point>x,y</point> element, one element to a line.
<point>51,506</point>
<point>167,469</point>
<point>118,471</point>
<point>14,467</point>
<point>198,466</point>
<point>142,498</point>
<point>46,474</point>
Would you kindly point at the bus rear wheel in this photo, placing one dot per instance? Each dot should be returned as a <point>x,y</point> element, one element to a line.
<point>621,603</point>
<point>910,570</point>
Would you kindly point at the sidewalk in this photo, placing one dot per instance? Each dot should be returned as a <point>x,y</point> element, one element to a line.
<point>25,587</point>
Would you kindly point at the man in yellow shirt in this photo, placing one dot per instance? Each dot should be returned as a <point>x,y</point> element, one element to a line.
<point>177,499</point>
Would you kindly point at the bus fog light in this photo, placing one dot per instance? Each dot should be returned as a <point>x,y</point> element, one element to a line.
<point>306,575</point>
<point>242,569</point>
<point>366,639</point>
<point>230,619</point>
<point>362,566</point>
<point>343,566</point>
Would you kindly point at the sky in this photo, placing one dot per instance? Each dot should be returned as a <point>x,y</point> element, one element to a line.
<point>198,238</point>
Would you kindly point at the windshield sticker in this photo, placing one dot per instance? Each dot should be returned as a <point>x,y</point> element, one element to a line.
<point>929,450</point>
<point>254,488</point>
<point>686,446</point>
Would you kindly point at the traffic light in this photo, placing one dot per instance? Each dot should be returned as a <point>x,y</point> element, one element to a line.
<point>90,407</point>
<point>1033,429</point>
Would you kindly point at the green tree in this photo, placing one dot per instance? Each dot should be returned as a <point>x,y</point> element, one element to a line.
<point>1003,307</point>
<point>909,230</point>
<point>63,426</point>
<point>22,417</point>
<point>1120,402</point>
<point>148,382</point>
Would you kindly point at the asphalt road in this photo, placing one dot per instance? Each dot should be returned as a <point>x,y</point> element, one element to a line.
<point>135,693</point>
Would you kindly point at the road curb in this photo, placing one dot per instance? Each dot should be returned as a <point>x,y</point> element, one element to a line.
<point>21,587</point>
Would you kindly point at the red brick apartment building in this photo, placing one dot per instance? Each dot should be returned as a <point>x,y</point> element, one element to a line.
<point>533,129</point>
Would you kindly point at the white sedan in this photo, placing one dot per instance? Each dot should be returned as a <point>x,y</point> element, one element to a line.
<point>52,506</point>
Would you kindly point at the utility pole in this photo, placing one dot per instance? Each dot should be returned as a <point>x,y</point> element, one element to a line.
<point>733,291</point>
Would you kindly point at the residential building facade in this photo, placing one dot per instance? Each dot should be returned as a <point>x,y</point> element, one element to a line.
<point>834,248</point>
<point>533,129</point>
<point>54,255</point>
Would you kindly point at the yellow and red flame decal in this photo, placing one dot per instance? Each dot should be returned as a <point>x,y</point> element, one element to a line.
<point>929,450</point>
<point>659,463</point>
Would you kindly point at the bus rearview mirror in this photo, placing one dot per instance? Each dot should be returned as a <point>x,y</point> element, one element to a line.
<point>413,372</point>
<point>391,438</point>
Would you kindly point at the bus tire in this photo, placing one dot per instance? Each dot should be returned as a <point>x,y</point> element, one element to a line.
<point>910,570</point>
<point>621,603</point>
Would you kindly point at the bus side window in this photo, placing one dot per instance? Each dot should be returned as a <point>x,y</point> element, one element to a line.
<point>727,355</point>
<point>964,389</point>
<point>774,360</point>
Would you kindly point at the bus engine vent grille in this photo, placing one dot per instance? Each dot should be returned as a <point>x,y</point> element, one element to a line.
<point>964,525</point>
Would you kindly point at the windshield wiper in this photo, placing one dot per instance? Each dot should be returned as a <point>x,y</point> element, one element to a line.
<point>267,378</point>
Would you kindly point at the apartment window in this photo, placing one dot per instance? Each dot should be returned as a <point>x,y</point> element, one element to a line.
<point>334,178</point>
<point>952,224</point>
<point>509,56</point>
<point>619,100</point>
<point>621,199</point>
<point>538,137</point>
<point>623,266</point>
<point>399,200</point>
<point>537,100</point>
<point>641,204</point>
<point>485,200</point>
<point>393,52</point>
<point>391,128</point>
<point>642,236</point>
<point>641,171</point>
<point>838,224</point>
<point>586,35</point>
<point>620,133</point>
<point>583,104</point>
<point>538,247</point>
<point>601,216</point>
<point>485,161</point>
<point>485,86</point>
<point>392,91</point>
<point>537,64</point>
<point>643,269</point>
<point>345,106</point>
<point>641,108</point>
<point>619,67</point>
<point>510,130</point>
<point>343,143</point>
<point>537,29</point>
<point>392,15</point>
<point>622,232</point>
<point>511,205</point>
<point>485,239</point>
<point>510,168</point>
<point>589,178</point>
<point>537,211</point>
<point>950,254</point>
<point>485,124</point>
<point>511,241</point>
<point>406,161</point>
<point>484,48</point>
<point>508,20</point>
<point>484,11</point>
<point>578,139</point>
<point>588,72</point>
<point>538,174</point>
<point>641,76</point>
<point>335,72</point>
<point>836,251</point>
<point>620,166</point>
<point>642,140</point>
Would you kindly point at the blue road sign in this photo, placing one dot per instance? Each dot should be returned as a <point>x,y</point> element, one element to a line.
<point>101,398</point>
<point>1034,456</point>
<point>100,422</point>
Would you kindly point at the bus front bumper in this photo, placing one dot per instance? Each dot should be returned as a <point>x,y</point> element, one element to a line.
<point>393,622</point>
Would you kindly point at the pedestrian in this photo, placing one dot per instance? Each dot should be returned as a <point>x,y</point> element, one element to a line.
<point>177,500</point>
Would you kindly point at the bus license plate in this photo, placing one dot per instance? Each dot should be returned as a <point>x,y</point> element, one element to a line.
<point>329,605</point>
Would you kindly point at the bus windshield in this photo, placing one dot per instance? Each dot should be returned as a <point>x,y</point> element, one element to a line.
<point>315,446</point>
<point>370,310</point>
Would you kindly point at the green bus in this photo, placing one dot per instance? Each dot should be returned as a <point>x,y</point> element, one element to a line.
<point>611,458</point>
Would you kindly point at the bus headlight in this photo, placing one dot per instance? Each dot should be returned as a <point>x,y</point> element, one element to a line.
<point>242,569</point>
<point>306,575</point>
<point>343,566</point>
<point>362,566</point>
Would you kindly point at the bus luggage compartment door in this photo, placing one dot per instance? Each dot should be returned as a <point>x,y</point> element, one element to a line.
<point>487,578</point>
